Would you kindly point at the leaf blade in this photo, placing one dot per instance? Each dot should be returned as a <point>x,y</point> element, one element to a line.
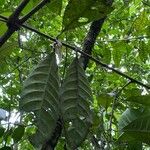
<point>40,95</point>
<point>76,97</point>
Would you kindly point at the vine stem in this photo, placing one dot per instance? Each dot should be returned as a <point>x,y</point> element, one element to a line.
<point>113,107</point>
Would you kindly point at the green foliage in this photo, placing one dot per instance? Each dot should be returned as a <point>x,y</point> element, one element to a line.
<point>135,126</point>
<point>78,13</point>
<point>119,48</point>
<point>104,100</point>
<point>6,50</point>
<point>55,6</point>
<point>50,94</point>
<point>144,100</point>
<point>141,22</point>
<point>144,51</point>
<point>6,148</point>
<point>18,133</point>
<point>127,117</point>
<point>2,130</point>
<point>3,28</point>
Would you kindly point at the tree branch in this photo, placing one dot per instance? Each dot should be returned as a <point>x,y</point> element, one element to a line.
<point>11,21</point>
<point>90,39</point>
<point>14,23</point>
<point>87,55</point>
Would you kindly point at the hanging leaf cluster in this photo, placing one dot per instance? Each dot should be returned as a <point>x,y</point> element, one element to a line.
<point>50,102</point>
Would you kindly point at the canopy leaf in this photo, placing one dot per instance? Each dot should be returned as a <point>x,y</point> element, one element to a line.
<point>78,13</point>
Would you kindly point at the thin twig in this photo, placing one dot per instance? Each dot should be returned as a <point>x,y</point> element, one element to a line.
<point>17,67</point>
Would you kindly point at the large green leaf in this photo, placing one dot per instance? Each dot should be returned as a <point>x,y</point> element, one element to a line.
<point>78,13</point>
<point>139,129</point>
<point>132,92</point>
<point>40,95</point>
<point>76,97</point>
<point>135,125</point>
<point>28,7</point>
<point>128,116</point>
<point>143,99</point>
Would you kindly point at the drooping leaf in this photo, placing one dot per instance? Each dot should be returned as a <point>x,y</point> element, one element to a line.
<point>5,51</point>
<point>78,13</point>
<point>40,95</point>
<point>75,100</point>
<point>143,99</point>
<point>131,141</point>
<point>18,133</point>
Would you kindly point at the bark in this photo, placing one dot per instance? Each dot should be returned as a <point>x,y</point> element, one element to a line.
<point>90,39</point>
